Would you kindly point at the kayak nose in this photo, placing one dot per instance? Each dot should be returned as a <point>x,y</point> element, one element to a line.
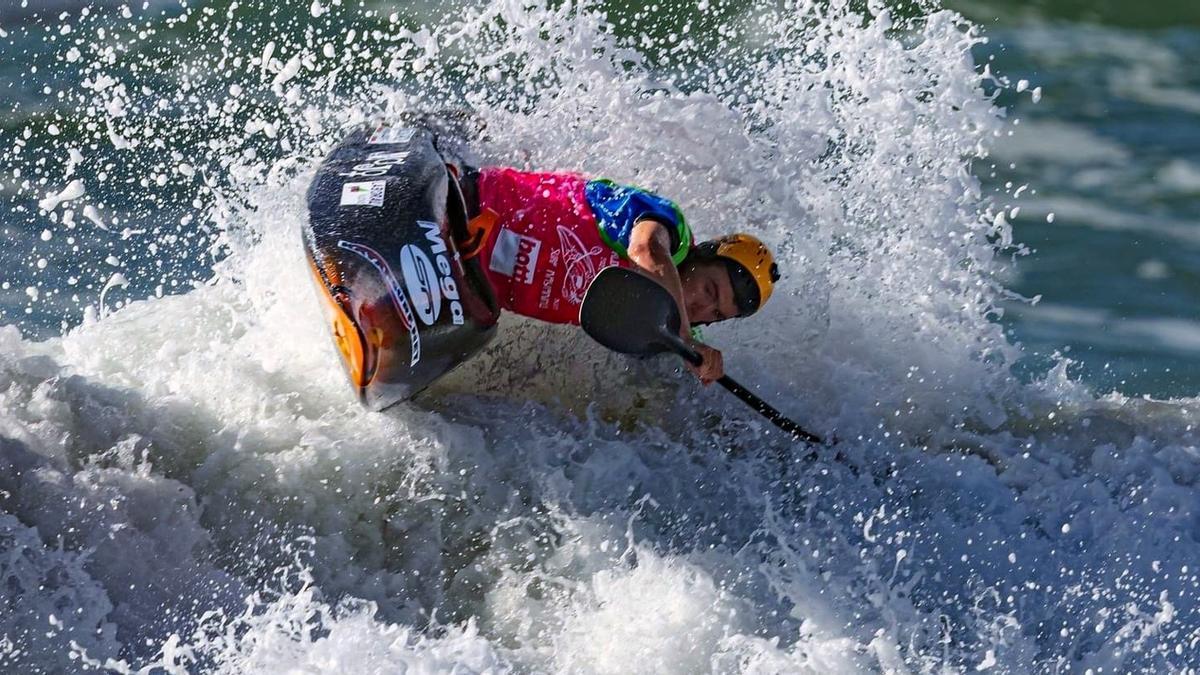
<point>357,347</point>
<point>403,306</point>
<point>372,321</point>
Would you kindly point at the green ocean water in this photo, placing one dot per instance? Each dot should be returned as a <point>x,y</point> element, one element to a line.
<point>1158,14</point>
<point>1110,153</point>
<point>188,483</point>
<point>1112,150</point>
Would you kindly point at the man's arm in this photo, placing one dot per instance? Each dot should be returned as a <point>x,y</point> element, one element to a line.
<point>650,249</point>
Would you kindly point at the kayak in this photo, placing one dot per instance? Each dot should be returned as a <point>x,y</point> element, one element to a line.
<point>386,221</point>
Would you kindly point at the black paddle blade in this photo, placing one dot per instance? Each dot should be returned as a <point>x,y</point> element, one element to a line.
<point>632,314</point>
<point>629,313</point>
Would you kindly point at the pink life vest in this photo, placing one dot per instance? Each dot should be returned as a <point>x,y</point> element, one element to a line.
<point>546,246</point>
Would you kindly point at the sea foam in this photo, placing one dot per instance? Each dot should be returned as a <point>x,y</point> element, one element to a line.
<point>187,483</point>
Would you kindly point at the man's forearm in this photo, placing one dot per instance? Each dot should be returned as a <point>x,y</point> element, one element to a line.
<point>655,260</point>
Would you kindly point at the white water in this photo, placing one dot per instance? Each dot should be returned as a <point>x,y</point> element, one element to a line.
<point>186,483</point>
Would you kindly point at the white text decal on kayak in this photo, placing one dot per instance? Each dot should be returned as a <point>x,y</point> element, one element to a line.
<point>419,277</point>
<point>377,164</point>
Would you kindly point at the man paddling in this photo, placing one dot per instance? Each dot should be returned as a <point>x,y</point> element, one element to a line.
<point>543,237</point>
<point>415,253</point>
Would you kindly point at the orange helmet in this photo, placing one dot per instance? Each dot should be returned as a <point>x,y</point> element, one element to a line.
<point>753,271</point>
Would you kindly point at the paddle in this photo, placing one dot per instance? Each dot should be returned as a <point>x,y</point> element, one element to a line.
<point>631,313</point>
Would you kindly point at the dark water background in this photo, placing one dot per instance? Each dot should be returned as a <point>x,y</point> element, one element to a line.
<point>1113,150</point>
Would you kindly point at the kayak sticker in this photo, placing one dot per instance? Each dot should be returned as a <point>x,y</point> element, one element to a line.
<point>384,134</point>
<point>421,281</point>
<point>394,290</point>
<point>430,282</point>
<point>370,193</point>
<point>376,164</point>
<point>516,256</point>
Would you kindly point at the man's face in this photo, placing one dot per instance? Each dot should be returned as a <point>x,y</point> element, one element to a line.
<point>708,292</point>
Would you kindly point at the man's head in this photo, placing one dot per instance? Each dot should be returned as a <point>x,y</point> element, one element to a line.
<point>728,277</point>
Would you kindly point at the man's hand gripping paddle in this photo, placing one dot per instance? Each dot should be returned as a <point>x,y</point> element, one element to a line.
<point>631,313</point>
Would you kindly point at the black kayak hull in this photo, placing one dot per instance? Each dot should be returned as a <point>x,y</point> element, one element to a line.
<point>404,306</point>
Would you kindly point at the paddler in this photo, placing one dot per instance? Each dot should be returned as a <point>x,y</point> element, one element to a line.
<point>415,251</point>
<point>543,237</point>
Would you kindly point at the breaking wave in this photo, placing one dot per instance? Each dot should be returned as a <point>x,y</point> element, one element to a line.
<point>187,484</point>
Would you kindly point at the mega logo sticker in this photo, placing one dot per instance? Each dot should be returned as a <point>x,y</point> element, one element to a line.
<point>424,275</point>
<point>422,283</point>
<point>369,193</point>
<point>516,256</point>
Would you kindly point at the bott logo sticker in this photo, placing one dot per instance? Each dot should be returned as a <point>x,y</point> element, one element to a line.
<point>369,193</point>
<point>516,256</point>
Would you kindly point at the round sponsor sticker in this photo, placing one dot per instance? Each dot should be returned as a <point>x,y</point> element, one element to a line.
<point>421,281</point>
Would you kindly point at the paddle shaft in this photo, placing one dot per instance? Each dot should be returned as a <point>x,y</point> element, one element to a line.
<point>762,407</point>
